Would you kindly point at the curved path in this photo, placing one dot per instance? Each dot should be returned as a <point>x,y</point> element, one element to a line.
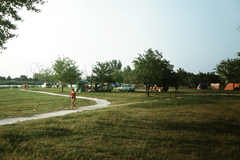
<point>100,104</point>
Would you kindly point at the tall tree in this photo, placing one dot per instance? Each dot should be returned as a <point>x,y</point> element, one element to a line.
<point>23,78</point>
<point>229,69</point>
<point>9,12</point>
<point>104,71</point>
<point>65,70</point>
<point>90,78</point>
<point>182,76</point>
<point>127,74</point>
<point>36,69</point>
<point>151,69</point>
<point>117,76</point>
<point>46,75</point>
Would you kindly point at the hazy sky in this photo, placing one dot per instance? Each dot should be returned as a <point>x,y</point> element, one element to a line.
<point>192,34</point>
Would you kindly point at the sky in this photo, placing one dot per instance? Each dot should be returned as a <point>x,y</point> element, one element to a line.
<point>194,35</point>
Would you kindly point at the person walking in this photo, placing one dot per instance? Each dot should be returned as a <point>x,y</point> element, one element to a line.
<point>73,98</point>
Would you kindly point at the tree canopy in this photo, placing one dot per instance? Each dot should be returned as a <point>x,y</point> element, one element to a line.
<point>229,69</point>
<point>9,12</point>
<point>66,71</point>
<point>107,71</point>
<point>151,69</point>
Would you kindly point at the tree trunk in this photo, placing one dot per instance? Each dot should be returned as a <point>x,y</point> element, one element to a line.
<point>62,87</point>
<point>34,82</point>
<point>146,89</point>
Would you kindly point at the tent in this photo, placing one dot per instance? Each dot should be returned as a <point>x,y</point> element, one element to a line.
<point>202,86</point>
<point>215,86</point>
<point>81,86</point>
<point>192,85</point>
<point>232,86</point>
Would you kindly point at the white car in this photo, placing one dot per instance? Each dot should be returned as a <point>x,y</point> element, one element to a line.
<point>126,88</point>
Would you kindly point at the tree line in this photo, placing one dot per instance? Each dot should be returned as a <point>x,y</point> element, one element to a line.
<point>149,68</point>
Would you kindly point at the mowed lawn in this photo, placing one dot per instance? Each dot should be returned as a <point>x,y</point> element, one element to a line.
<point>193,126</point>
<point>17,103</point>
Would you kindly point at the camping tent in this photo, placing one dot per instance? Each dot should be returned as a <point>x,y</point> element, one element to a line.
<point>232,86</point>
<point>202,86</point>
<point>81,86</point>
<point>215,86</point>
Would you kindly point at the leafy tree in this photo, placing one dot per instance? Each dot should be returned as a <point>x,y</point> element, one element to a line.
<point>23,78</point>
<point>16,79</point>
<point>182,77</point>
<point>104,72</point>
<point>167,75</point>
<point>116,65</point>
<point>211,77</point>
<point>229,69</point>
<point>9,13</point>
<point>65,70</point>
<point>2,78</point>
<point>46,75</point>
<point>151,69</point>
<point>127,74</point>
<point>117,76</point>
<point>9,78</point>
<point>193,80</point>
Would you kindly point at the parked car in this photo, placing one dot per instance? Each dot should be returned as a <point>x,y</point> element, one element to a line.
<point>126,88</point>
<point>46,85</point>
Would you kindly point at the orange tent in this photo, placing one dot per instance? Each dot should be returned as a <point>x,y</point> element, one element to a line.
<point>232,86</point>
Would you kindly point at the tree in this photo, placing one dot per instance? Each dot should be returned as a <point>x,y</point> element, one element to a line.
<point>116,65</point>
<point>151,69</point>
<point>117,76</point>
<point>65,70</point>
<point>36,69</point>
<point>46,75</point>
<point>182,77</point>
<point>9,78</point>
<point>2,78</point>
<point>23,78</point>
<point>104,72</point>
<point>229,69</point>
<point>127,74</point>
<point>9,12</point>
<point>90,78</point>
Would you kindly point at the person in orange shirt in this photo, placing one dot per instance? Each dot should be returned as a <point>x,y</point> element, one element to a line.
<point>73,98</point>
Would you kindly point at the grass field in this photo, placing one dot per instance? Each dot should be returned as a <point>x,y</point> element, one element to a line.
<point>198,125</point>
<point>17,103</point>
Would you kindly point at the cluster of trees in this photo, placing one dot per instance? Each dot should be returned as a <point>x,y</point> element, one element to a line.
<point>229,70</point>
<point>18,80</point>
<point>148,69</point>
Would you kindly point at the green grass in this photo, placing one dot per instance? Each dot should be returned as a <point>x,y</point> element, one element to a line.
<point>195,126</point>
<point>17,103</point>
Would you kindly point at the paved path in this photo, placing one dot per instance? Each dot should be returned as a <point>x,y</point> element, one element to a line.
<point>100,104</point>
